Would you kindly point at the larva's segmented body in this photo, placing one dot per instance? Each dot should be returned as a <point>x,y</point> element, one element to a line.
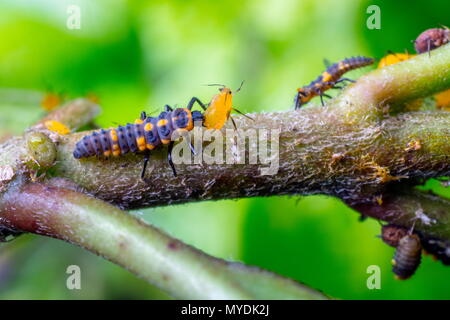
<point>328,79</point>
<point>144,134</point>
<point>147,133</point>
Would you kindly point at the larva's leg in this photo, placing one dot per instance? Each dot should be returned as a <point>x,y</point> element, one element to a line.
<point>345,79</point>
<point>146,159</point>
<point>194,100</point>
<point>169,158</point>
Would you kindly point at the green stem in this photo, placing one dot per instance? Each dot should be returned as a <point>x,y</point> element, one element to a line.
<point>179,269</point>
<point>394,85</point>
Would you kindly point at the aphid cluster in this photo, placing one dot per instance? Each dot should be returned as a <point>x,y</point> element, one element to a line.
<point>328,80</point>
<point>148,133</point>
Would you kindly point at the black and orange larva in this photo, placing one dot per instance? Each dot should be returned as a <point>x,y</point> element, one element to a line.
<point>328,80</point>
<point>146,134</point>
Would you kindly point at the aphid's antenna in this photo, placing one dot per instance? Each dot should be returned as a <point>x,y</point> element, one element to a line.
<point>412,228</point>
<point>240,87</point>
<point>215,85</point>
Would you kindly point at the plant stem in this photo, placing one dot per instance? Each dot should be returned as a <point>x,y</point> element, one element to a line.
<point>179,269</point>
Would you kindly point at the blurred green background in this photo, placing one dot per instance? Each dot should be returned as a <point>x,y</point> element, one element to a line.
<point>140,55</point>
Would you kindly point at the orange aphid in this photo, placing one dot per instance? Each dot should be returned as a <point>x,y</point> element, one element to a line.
<point>57,127</point>
<point>51,101</point>
<point>219,109</point>
<point>93,98</point>
<point>443,100</point>
<point>394,58</point>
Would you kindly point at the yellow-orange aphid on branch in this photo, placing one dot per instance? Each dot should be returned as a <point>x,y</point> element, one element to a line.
<point>431,39</point>
<point>393,58</point>
<point>51,101</point>
<point>220,107</point>
<point>57,127</point>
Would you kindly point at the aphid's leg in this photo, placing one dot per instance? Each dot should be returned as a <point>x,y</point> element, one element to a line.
<point>169,158</point>
<point>337,87</point>
<point>326,62</point>
<point>429,47</point>
<point>143,115</point>
<point>326,96</point>
<point>194,100</point>
<point>146,158</point>
<point>167,108</point>
<point>240,112</point>
<point>234,123</point>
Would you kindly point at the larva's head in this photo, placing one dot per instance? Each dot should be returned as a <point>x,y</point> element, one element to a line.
<point>303,96</point>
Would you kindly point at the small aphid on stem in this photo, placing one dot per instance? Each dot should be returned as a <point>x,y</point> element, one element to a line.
<point>431,39</point>
<point>407,256</point>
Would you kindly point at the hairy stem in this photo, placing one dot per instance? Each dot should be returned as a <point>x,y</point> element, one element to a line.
<point>318,153</point>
